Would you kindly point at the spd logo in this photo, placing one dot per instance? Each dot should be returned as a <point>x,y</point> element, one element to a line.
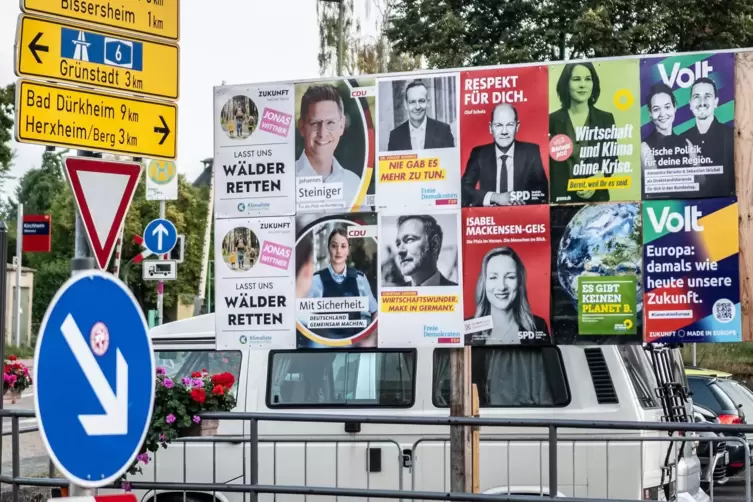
<point>162,172</point>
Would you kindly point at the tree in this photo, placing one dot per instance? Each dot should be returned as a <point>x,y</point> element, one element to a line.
<point>43,190</point>
<point>7,112</point>
<point>454,33</point>
<point>365,54</point>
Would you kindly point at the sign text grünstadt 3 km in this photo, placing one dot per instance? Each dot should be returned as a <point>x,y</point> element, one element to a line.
<point>49,48</point>
<point>59,115</point>
<point>158,18</point>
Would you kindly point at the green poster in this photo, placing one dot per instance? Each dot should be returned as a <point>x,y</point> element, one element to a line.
<point>606,305</point>
<point>595,131</point>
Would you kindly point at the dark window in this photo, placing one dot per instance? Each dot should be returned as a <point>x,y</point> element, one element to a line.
<point>336,378</point>
<point>181,363</point>
<point>708,394</point>
<point>641,374</point>
<point>508,377</point>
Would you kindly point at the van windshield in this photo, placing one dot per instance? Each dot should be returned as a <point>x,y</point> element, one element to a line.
<point>336,378</point>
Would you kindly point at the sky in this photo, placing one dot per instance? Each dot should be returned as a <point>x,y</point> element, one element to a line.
<point>238,41</point>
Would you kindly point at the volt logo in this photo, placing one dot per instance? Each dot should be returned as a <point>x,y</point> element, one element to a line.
<point>684,77</point>
<point>687,221</point>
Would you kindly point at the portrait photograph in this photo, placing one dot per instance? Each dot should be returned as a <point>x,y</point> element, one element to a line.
<point>420,250</point>
<point>336,257</point>
<point>419,113</point>
<point>332,142</point>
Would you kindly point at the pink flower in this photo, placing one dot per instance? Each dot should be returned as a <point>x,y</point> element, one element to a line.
<point>168,383</point>
<point>143,457</point>
<point>170,418</point>
<point>162,438</point>
<point>196,419</point>
<point>161,370</point>
<point>126,485</point>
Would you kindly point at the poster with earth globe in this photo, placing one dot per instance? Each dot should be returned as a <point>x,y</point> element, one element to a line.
<point>597,273</point>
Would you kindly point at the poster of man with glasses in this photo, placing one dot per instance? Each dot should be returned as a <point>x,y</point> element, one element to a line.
<point>334,165</point>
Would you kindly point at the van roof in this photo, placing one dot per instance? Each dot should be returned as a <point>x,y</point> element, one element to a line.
<point>704,372</point>
<point>193,327</point>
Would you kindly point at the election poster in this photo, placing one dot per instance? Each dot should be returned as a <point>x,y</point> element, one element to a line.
<point>691,252</point>
<point>506,275</point>
<point>419,143</point>
<point>253,151</point>
<point>420,280</point>
<point>336,280</point>
<point>594,140</point>
<point>687,126</point>
<point>504,147</point>
<point>597,273</point>
<point>254,283</point>
<point>334,145</point>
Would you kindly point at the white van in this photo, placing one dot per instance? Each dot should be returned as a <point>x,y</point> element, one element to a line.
<point>565,382</point>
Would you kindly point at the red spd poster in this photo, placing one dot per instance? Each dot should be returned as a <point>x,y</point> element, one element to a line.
<point>504,126</point>
<point>506,275</point>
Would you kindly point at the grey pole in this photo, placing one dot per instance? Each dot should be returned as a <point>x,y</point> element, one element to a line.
<point>17,290</point>
<point>82,259</point>
<point>3,300</point>
<point>160,283</point>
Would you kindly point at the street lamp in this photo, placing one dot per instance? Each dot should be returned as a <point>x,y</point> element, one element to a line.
<point>340,29</point>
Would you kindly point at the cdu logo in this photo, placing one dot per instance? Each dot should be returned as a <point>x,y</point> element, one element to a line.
<point>162,172</point>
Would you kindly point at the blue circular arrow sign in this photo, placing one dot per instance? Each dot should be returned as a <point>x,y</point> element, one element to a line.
<point>94,374</point>
<point>160,236</point>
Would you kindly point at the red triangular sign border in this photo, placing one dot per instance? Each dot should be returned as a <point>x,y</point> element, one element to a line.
<point>73,165</point>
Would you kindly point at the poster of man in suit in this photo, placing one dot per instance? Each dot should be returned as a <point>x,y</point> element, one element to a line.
<point>418,143</point>
<point>420,273</point>
<point>504,147</point>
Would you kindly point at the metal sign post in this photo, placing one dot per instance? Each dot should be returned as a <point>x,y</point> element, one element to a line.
<point>93,324</point>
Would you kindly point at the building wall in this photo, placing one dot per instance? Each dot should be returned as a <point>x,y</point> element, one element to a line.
<point>27,282</point>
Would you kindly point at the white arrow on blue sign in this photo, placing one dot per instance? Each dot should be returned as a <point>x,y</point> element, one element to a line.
<point>94,375</point>
<point>160,236</point>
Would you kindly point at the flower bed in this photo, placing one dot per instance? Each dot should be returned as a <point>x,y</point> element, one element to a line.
<point>177,405</point>
<point>16,377</point>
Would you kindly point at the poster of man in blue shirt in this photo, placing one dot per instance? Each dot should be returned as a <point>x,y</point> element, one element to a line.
<point>340,306</point>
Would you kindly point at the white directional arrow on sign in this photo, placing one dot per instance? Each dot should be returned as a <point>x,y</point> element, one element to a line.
<point>115,419</point>
<point>160,231</point>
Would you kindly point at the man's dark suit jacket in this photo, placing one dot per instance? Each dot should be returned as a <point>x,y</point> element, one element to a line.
<point>443,281</point>
<point>528,173</point>
<point>560,172</point>
<point>438,135</point>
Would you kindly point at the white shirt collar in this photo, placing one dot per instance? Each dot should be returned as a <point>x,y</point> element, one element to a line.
<point>509,153</point>
<point>305,168</point>
<point>421,127</point>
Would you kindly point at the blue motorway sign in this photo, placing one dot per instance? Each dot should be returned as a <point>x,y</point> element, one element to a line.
<point>94,374</point>
<point>100,49</point>
<point>160,236</point>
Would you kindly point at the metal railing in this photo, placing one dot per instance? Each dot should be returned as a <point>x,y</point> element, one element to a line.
<point>253,488</point>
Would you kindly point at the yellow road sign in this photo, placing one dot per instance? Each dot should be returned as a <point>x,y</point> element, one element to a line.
<point>159,18</point>
<point>59,115</point>
<point>60,51</point>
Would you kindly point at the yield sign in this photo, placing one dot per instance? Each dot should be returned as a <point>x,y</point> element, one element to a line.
<point>103,191</point>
